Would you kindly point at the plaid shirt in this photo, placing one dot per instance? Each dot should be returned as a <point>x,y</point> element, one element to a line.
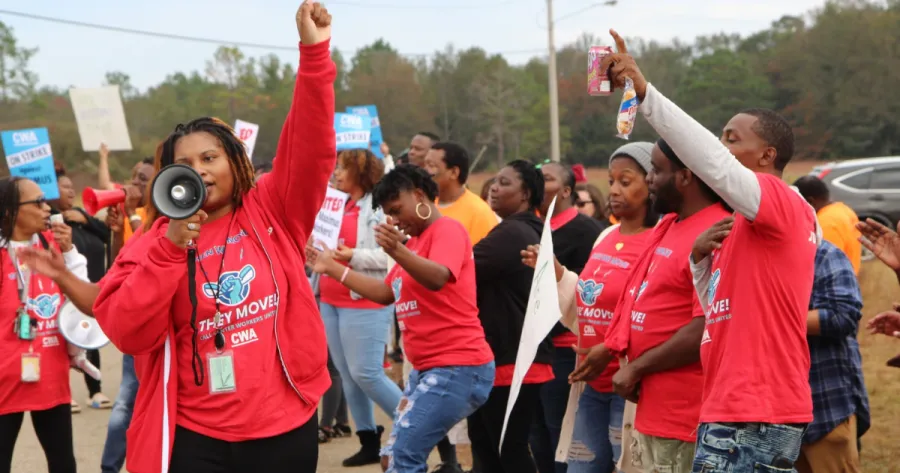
<point>835,374</point>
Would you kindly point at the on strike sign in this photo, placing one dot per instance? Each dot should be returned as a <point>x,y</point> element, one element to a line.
<point>328,222</point>
<point>247,132</point>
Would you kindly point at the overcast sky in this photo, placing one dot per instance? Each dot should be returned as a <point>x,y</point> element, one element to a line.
<point>72,55</point>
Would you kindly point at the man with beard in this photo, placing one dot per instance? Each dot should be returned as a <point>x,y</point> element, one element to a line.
<point>753,274</point>
<point>659,324</point>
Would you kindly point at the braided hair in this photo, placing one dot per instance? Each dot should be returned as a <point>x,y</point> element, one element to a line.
<point>241,167</point>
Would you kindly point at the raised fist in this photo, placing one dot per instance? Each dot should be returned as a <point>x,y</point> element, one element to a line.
<point>313,23</point>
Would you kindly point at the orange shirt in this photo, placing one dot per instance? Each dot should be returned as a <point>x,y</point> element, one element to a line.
<point>474,214</point>
<point>838,224</point>
<point>128,232</point>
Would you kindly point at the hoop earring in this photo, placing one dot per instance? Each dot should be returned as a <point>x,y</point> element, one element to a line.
<point>419,213</point>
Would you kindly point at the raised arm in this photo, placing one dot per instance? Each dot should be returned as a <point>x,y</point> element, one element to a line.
<point>700,150</point>
<point>703,153</point>
<point>307,151</point>
<point>135,298</point>
<point>104,181</point>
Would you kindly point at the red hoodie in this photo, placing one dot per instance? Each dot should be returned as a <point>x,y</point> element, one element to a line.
<point>143,298</point>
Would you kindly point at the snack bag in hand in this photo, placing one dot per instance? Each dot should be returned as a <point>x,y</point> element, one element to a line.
<point>627,111</point>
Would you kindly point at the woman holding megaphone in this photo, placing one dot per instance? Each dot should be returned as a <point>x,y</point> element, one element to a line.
<point>232,372</point>
<point>34,359</point>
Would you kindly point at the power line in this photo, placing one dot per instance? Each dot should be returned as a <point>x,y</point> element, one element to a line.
<point>196,39</point>
<point>420,7</point>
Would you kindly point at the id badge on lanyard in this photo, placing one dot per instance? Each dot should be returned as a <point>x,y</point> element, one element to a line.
<point>25,326</point>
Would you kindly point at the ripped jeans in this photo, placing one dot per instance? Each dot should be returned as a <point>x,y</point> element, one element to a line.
<point>761,448</point>
<point>597,439</point>
<point>433,402</point>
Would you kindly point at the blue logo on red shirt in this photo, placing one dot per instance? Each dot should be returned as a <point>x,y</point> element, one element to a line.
<point>713,286</point>
<point>233,287</point>
<point>589,291</point>
<point>44,305</point>
<point>396,286</point>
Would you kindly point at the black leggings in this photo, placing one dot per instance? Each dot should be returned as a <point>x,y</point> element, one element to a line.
<point>296,451</point>
<point>484,431</point>
<point>54,430</point>
<point>93,385</point>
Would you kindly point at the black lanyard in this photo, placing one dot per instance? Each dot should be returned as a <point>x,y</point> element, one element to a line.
<point>192,293</point>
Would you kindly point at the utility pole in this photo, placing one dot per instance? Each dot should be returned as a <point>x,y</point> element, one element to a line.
<point>554,88</point>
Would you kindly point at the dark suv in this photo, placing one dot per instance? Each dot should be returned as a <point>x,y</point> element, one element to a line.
<point>869,186</point>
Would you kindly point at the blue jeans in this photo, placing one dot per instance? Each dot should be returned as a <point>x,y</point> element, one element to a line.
<point>761,448</point>
<point>435,401</point>
<point>357,339</point>
<point>597,439</point>
<point>119,419</point>
<point>548,421</point>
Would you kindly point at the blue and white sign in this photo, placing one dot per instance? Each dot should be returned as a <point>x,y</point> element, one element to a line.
<point>28,155</point>
<point>375,138</point>
<point>351,131</point>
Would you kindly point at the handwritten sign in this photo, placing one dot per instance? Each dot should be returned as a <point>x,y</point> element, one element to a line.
<point>328,222</point>
<point>351,131</point>
<point>541,315</point>
<point>28,155</point>
<point>375,137</point>
<point>100,118</point>
<point>247,132</point>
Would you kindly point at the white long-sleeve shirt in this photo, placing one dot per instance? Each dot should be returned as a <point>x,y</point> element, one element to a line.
<point>705,155</point>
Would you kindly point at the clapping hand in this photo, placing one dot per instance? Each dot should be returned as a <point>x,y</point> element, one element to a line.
<point>886,323</point>
<point>50,263</point>
<point>388,237</point>
<point>882,241</point>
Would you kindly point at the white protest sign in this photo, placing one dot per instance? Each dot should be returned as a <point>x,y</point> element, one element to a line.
<point>100,118</point>
<point>328,222</point>
<point>540,316</point>
<point>247,132</point>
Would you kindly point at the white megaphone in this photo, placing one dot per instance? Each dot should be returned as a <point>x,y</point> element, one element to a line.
<point>79,329</point>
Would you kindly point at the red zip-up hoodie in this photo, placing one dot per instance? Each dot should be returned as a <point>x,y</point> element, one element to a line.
<point>136,307</point>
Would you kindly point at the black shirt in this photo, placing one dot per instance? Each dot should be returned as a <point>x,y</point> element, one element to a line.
<point>504,284</point>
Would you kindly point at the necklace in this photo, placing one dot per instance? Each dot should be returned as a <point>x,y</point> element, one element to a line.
<point>217,321</point>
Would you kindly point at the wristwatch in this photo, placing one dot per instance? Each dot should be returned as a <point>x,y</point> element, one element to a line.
<point>135,219</point>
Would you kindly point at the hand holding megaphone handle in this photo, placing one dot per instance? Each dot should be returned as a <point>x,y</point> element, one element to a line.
<point>184,233</point>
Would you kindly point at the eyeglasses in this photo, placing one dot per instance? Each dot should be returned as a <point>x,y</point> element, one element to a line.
<point>40,201</point>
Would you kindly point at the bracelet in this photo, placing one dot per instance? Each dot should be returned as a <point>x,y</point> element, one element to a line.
<point>135,217</point>
<point>346,272</point>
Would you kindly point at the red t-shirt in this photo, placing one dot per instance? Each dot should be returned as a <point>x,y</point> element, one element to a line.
<point>666,301</point>
<point>754,351</point>
<point>43,304</point>
<point>440,328</point>
<point>331,291</point>
<point>567,338</point>
<point>599,287</point>
<point>263,404</point>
